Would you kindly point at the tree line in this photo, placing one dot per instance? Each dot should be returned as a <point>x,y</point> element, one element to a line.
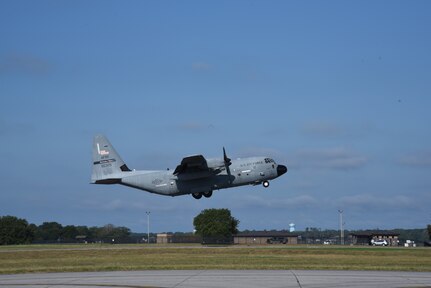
<point>15,230</point>
<point>213,225</point>
<point>210,224</point>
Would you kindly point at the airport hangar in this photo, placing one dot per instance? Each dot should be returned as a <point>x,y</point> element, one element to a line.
<point>364,238</point>
<point>265,237</point>
<point>245,238</point>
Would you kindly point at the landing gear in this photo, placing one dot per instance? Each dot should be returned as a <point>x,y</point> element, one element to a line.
<point>208,194</point>
<point>199,195</point>
<point>265,184</point>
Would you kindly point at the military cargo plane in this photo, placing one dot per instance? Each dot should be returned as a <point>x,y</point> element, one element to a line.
<point>195,175</point>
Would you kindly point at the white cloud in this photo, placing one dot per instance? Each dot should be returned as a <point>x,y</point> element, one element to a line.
<point>201,66</point>
<point>322,129</point>
<point>24,64</point>
<point>420,160</point>
<point>194,127</point>
<point>260,151</point>
<point>302,184</point>
<point>15,128</point>
<point>333,158</point>
<point>156,204</point>
<point>278,203</point>
<point>377,202</point>
<point>113,205</point>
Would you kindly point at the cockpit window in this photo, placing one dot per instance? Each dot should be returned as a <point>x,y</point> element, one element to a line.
<point>269,160</point>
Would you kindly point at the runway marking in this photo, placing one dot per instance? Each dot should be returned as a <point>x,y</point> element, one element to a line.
<point>78,285</point>
<point>188,278</point>
<point>296,277</point>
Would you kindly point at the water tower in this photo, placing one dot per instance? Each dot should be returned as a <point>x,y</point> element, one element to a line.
<point>292,227</point>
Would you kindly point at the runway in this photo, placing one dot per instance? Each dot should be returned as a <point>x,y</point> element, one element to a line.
<point>219,278</point>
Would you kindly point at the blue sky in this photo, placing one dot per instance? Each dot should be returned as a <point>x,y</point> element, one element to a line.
<point>339,91</point>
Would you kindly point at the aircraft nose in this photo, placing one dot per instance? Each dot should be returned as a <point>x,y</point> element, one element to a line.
<point>281,169</point>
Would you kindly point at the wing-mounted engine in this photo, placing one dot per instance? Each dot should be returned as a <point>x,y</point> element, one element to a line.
<point>215,165</point>
<point>196,167</point>
<point>191,164</point>
<point>219,165</point>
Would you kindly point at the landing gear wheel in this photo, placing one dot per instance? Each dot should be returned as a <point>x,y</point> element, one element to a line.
<point>197,195</point>
<point>208,194</point>
<point>265,184</point>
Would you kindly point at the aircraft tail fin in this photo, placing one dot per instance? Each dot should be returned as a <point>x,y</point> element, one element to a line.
<point>107,164</point>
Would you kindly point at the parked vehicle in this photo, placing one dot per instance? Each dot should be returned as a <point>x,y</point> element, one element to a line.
<point>410,243</point>
<point>277,240</point>
<point>379,242</point>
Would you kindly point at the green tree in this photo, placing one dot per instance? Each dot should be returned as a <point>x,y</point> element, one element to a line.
<point>33,230</point>
<point>14,230</point>
<point>215,222</point>
<point>106,231</point>
<point>110,231</point>
<point>429,231</point>
<point>121,232</point>
<point>49,231</point>
<point>83,231</point>
<point>93,233</point>
<point>69,233</point>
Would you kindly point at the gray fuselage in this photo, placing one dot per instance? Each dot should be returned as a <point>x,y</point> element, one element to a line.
<point>245,171</point>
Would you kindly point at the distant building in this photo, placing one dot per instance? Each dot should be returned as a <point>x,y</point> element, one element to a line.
<point>81,239</point>
<point>364,238</point>
<point>265,237</point>
<point>164,238</point>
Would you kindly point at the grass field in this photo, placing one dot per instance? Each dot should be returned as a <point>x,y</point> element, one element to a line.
<point>74,258</point>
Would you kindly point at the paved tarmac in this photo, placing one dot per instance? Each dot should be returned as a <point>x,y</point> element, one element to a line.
<point>219,278</point>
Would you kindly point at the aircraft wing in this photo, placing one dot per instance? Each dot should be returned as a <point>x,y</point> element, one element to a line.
<point>192,164</point>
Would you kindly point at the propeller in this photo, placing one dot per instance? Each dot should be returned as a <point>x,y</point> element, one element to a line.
<point>227,161</point>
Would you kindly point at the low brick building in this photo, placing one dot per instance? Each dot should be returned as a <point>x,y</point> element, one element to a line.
<point>364,238</point>
<point>164,238</point>
<point>265,237</point>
